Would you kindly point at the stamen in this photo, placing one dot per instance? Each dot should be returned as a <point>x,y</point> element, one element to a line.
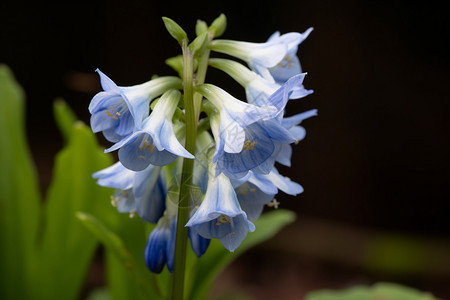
<point>144,145</point>
<point>249,145</point>
<point>141,156</point>
<point>223,219</point>
<point>252,190</point>
<point>274,203</point>
<point>132,214</point>
<point>151,147</point>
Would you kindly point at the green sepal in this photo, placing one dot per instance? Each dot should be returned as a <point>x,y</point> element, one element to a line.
<point>200,27</point>
<point>175,30</point>
<point>219,25</point>
<point>176,63</point>
<point>198,45</point>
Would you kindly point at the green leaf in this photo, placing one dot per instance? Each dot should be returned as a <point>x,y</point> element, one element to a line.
<point>175,30</point>
<point>219,25</point>
<point>217,257</point>
<point>382,290</point>
<point>19,194</point>
<point>65,118</point>
<point>66,244</point>
<point>200,27</point>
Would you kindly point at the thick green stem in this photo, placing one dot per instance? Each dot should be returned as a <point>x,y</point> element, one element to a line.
<point>186,179</point>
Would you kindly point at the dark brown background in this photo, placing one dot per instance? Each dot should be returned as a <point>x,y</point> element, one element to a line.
<point>375,158</point>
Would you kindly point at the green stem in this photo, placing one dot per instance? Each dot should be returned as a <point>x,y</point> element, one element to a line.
<point>186,179</point>
<point>192,103</point>
<point>201,75</point>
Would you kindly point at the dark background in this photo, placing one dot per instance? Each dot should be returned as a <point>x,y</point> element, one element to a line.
<point>376,157</point>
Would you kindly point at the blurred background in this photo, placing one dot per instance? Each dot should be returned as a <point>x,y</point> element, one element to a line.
<point>374,163</point>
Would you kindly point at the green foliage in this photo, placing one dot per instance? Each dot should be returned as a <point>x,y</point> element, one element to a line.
<point>382,290</point>
<point>202,275</point>
<point>48,251</point>
<point>19,193</point>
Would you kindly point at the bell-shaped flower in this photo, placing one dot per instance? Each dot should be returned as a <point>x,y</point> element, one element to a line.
<point>235,116</point>
<point>263,55</point>
<point>116,111</point>
<point>159,241</point>
<point>160,249</point>
<point>257,89</point>
<point>220,215</point>
<point>141,192</point>
<point>298,132</point>
<point>290,64</point>
<point>263,141</point>
<point>155,143</point>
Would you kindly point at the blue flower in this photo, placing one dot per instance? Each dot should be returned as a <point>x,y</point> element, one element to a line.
<point>155,143</point>
<point>160,249</point>
<point>158,244</point>
<point>141,192</point>
<point>263,141</point>
<point>257,88</point>
<point>235,116</point>
<point>261,57</point>
<point>220,215</point>
<point>290,64</point>
<point>116,111</point>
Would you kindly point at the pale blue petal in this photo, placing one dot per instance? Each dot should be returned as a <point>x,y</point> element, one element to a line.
<point>199,244</point>
<point>126,202</point>
<point>289,122</point>
<point>115,176</point>
<point>252,199</point>
<point>107,83</point>
<point>263,183</point>
<point>280,97</point>
<point>298,132</point>
<point>150,194</point>
<point>284,183</point>
<point>284,156</point>
<point>170,142</point>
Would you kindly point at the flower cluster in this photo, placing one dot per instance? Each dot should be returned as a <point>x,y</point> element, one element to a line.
<point>237,145</point>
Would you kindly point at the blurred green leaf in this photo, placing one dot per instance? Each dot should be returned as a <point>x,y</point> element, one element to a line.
<point>65,118</point>
<point>66,244</point>
<point>127,277</point>
<point>19,193</point>
<point>217,257</point>
<point>99,294</point>
<point>383,290</point>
